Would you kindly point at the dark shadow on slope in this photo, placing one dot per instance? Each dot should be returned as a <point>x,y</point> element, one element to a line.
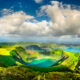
<point>19,54</point>
<point>6,61</point>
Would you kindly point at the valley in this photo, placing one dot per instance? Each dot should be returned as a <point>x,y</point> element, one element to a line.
<point>40,57</point>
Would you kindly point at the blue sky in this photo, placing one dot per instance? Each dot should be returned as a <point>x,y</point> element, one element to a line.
<point>30,6</point>
<point>39,20</point>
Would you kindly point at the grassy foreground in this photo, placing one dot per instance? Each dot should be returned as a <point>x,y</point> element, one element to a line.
<point>22,73</point>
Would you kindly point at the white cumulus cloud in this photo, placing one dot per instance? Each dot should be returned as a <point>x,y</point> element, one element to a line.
<point>38,1</point>
<point>20,24</point>
<point>64,20</point>
<point>64,23</point>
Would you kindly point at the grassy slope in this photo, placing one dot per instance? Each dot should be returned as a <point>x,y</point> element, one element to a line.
<point>22,73</point>
<point>71,62</point>
<point>5,58</point>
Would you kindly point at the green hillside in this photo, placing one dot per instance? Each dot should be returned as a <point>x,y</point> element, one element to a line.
<point>16,57</point>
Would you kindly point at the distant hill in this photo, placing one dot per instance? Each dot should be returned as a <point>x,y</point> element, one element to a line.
<point>34,47</point>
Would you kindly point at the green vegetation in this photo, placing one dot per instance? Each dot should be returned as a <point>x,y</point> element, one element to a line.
<point>5,58</point>
<point>14,58</point>
<point>19,53</point>
<point>22,73</point>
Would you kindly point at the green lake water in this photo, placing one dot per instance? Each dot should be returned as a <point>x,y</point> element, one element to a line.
<point>43,62</point>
